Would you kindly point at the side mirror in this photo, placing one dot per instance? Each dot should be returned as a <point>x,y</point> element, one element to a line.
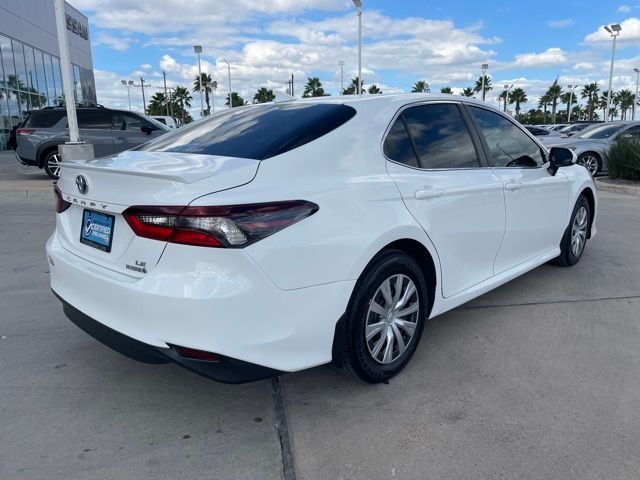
<point>560,157</point>
<point>146,129</point>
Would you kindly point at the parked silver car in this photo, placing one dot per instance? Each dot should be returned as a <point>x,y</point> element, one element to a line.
<point>591,143</point>
<point>109,131</point>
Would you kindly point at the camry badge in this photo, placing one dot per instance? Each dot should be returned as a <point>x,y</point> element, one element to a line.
<point>81,183</point>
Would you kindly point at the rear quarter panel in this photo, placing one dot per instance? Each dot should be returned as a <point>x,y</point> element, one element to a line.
<point>360,212</point>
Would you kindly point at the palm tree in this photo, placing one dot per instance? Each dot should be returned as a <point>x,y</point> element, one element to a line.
<point>625,100</point>
<point>157,105</point>
<point>374,89</point>
<point>554,93</point>
<point>504,96</point>
<point>518,96</point>
<point>487,85</point>
<point>352,89</point>
<point>207,87</point>
<point>569,99</point>
<point>467,92</point>
<point>579,113</point>
<point>590,92</point>
<point>602,103</point>
<point>182,98</point>
<point>544,103</point>
<point>446,90</point>
<point>313,88</point>
<point>237,100</point>
<point>421,86</point>
<point>264,95</point>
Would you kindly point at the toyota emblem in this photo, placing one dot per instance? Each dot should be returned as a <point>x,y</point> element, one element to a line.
<point>81,183</point>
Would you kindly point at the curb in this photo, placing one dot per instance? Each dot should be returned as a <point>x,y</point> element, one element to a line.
<point>605,185</point>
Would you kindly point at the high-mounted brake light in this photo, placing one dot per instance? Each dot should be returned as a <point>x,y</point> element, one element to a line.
<point>24,131</point>
<point>233,226</point>
<point>61,203</point>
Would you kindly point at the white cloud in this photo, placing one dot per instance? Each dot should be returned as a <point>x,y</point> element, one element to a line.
<point>624,9</point>
<point>584,66</point>
<point>630,33</point>
<point>120,43</point>
<point>566,23</point>
<point>550,57</point>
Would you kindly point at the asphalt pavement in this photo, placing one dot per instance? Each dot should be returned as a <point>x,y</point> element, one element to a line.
<point>539,379</point>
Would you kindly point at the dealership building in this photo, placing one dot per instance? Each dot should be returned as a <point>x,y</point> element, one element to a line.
<point>30,76</point>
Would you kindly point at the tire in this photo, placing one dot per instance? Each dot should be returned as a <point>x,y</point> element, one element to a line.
<point>576,231</point>
<point>50,164</point>
<point>591,162</point>
<point>369,311</point>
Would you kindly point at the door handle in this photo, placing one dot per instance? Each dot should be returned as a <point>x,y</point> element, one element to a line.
<point>512,186</point>
<point>428,193</point>
<point>121,138</point>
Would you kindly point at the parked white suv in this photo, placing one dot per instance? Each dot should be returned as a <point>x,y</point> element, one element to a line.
<point>166,120</point>
<point>278,237</point>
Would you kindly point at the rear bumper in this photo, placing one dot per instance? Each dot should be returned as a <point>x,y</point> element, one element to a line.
<point>205,299</point>
<point>25,161</point>
<point>226,370</point>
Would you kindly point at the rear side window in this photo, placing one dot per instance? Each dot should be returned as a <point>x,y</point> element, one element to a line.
<point>255,132</point>
<point>130,122</point>
<point>94,119</point>
<point>398,147</point>
<point>441,136</point>
<point>44,118</point>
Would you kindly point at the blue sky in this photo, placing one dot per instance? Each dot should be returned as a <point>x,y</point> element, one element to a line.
<point>527,44</point>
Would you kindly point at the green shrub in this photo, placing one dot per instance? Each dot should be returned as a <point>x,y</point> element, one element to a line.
<point>623,159</point>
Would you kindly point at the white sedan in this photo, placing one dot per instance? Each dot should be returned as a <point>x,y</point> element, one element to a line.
<point>278,237</point>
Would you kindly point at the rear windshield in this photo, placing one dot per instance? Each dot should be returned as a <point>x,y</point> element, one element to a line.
<point>44,118</point>
<point>255,132</point>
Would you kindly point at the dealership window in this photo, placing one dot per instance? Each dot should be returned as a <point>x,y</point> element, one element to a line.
<point>40,74</point>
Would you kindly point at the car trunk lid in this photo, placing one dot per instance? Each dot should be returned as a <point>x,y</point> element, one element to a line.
<point>137,178</point>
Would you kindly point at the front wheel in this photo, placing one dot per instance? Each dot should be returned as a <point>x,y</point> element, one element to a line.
<point>575,236</point>
<point>385,317</point>
<point>591,162</point>
<point>52,164</point>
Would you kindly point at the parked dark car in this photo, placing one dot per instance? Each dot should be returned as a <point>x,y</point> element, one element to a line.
<point>109,131</point>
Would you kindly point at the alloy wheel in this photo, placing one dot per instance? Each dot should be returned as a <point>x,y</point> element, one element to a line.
<point>590,162</point>
<point>53,163</point>
<point>392,318</point>
<point>579,231</point>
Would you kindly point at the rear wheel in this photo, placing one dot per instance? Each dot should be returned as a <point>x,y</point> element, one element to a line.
<point>591,162</point>
<point>52,164</point>
<point>575,236</point>
<point>385,317</point>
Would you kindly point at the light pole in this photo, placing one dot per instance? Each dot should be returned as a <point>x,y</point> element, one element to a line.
<point>128,84</point>
<point>507,89</point>
<point>142,86</point>
<point>229,77</point>
<point>635,100</point>
<point>485,67</point>
<point>572,88</point>
<point>198,50</point>
<point>358,5</point>
<point>614,31</point>
<point>341,63</point>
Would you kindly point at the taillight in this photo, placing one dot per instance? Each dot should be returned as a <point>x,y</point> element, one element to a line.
<point>234,226</point>
<point>61,203</point>
<point>24,131</point>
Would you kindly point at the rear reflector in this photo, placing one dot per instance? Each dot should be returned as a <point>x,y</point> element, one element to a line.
<point>24,131</point>
<point>196,354</point>
<point>233,226</point>
<point>61,204</point>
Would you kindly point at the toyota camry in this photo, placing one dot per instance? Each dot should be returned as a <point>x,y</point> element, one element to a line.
<point>278,237</point>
